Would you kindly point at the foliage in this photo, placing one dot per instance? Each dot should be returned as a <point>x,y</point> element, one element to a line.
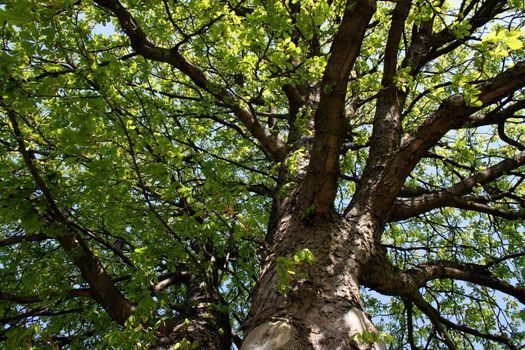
<point>293,270</point>
<point>149,162</point>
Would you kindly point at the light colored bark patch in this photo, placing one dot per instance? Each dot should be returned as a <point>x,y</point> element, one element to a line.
<point>269,336</point>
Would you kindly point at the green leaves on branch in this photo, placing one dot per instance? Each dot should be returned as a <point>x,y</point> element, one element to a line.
<point>371,337</point>
<point>404,80</point>
<point>293,270</point>
<point>501,42</point>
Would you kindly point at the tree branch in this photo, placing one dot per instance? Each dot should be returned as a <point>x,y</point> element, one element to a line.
<point>451,196</point>
<point>387,130</point>
<point>26,238</point>
<point>171,279</point>
<point>383,277</point>
<point>505,138</point>
<point>426,45</point>
<point>320,183</point>
<point>452,113</point>
<point>434,317</point>
<point>102,287</point>
<point>496,116</point>
<point>477,274</point>
<point>30,299</point>
<point>468,204</point>
<point>141,44</point>
<point>410,324</point>
<point>462,328</point>
<point>40,311</point>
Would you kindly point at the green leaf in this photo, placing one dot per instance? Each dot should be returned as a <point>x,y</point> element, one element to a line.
<point>514,43</point>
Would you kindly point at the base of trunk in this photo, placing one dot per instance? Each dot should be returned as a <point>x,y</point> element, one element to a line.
<point>317,332</point>
<point>321,308</point>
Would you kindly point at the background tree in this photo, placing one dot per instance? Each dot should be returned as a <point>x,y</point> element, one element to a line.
<point>201,174</point>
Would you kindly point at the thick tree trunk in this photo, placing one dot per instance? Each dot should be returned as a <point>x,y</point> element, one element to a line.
<point>203,324</point>
<point>322,308</point>
<point>207,328</point>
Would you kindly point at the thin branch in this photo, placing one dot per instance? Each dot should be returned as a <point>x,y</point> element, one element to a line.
<point>494,337</point>
<point>505,138</point>
<point>434,317</point>
<point>40,311</point>
<point>499,260</point>
<point>31,299</point>
<point>468,204</point>
<point>410,324</point>
<point>453,112</point>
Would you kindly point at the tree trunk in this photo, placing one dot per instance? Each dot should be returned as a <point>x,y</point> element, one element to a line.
<point>202,324</point>
<point>206,328</point>
<point>321,308</point>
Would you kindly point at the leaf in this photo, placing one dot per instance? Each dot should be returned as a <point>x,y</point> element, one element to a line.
<point>19,15</point>
<point>514,43</point>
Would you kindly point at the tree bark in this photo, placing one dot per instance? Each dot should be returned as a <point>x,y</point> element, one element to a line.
<point>322,308</point>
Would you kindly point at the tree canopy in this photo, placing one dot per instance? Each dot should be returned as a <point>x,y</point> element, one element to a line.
<point>152,154</point>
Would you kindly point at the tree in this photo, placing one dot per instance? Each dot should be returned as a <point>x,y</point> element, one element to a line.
<point>198,174</point>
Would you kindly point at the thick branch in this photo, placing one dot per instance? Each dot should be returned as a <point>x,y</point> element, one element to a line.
<point>102,287</point>
<point>171,279</point>
<point>450,196</point>
<point>426,45</point>
<point>141,44</point>
<point>452,113</point>
<point>477,274</point>
<point>386,279</point>
<point>496,116</point>
<point>387,128</point>
<point>319,186</point>
<point>26,238</point>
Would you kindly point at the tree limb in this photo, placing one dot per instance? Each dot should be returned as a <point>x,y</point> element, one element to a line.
<point>477,274</point>
<point>320,183</point>
<point>451,196</point>
<point>170,279</point>
<point>30,299</point>
<point>496,116</point>
<point>102,287</point>
<point>25,238</point>
<point>434,317</point>
<point>141,44</point>
<point>410,324</point>
<point>452,113</point>
<point>462,328</point>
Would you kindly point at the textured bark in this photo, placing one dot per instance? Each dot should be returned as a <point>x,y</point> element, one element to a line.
<point>203,323</point>
<point>205,328</point>
<point>322,310</point>
<point>320,183</point>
